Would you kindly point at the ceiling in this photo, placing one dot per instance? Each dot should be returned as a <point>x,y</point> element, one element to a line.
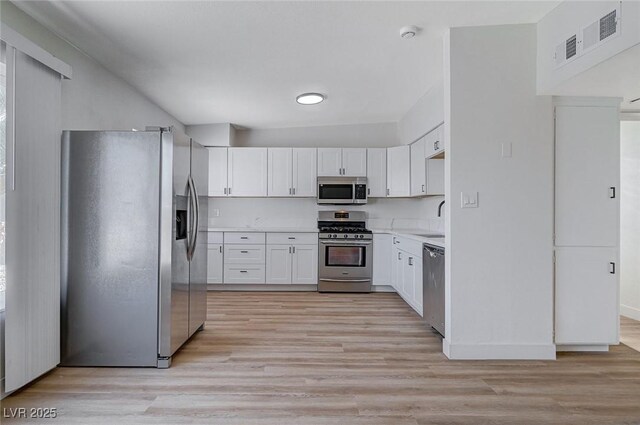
<point>615,77</point>
<point>245,62</point>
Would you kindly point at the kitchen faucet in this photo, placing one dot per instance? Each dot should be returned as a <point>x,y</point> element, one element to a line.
<point>440,209</point>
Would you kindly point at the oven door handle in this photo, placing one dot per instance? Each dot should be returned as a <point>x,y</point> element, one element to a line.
<point>345,280</point>
<point>337,242</point>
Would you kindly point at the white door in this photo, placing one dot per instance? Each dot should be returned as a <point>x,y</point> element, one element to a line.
<point>305,264</point>
<point>304,172</point>
<point>329,162</point>
<point>398,176</point>
<point>435,176</point>
<point>354,162</point>
<point>377,172</point>
<point>217,171</point>
<point>247,171</point>
<point>214,263</point>
<point>586,296</point>
<point>279,264</point>
<point>382,259</point>
<point>280,172</point>
<point>418,171</point>
<point>587,176</point>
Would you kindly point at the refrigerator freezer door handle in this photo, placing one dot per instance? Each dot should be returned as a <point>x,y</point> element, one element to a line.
<point>197,225</point>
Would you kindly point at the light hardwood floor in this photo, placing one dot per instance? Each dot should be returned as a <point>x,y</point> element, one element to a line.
<point>309,358</point>
<point>630,332</point>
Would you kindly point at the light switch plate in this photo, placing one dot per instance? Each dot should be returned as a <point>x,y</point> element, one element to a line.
<point>469,199</point>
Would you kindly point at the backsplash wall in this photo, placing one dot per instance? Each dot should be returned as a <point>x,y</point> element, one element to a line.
<point>397,213</point>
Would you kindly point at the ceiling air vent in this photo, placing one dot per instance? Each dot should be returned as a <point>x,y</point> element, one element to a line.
<point>608,25</point>
<point>571,47</point>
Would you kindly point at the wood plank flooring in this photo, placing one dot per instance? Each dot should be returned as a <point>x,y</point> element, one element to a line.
<point>309,358</point>
<point>630,332</point>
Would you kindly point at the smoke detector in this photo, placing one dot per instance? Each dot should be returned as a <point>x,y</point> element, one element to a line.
<point>409,31</point>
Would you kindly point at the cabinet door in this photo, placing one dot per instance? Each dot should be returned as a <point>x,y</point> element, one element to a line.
<point>329,162</point>
<point>416,271</point>
<point>354,162</point>
<point>247,171</point>
<point>377,172</point>
<point>407,276</point>
<point>586,296</point>
<point>214,263</point>
<point>587,176</point>
<point>435,176</point>
<point>304,172</point>
<point>382,259</point>
<point>397,270</point>
<point>398,171</point>
<point>418,171</point>
<point>305,264</point>
<point>280,172</point>
<point>279,264</point>
<point>434,142</point>
<point>217,171</point>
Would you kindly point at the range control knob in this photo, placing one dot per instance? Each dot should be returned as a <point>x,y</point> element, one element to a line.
<point>346,236</point>
<point>335,236</point>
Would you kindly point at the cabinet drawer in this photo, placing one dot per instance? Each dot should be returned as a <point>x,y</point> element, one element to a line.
<point>244,254</point>
<point>409,245</point>
<point>247,273</point>
<point>244,237</point>
<point>292,238</point>
<point>215,237</point>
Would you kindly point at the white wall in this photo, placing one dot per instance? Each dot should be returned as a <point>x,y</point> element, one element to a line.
<point>353,135</point>
<point>569,18</point>
<point>630,219</point>
<point>282,212</point>
<point>427,113</point>
<point>94,99</point>
<point>500,281</point>
<point>222,134</point>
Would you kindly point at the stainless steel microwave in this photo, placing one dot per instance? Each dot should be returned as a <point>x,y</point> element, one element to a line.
<point>342,190</point>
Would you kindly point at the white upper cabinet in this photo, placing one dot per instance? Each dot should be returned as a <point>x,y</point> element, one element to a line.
<point>435,176</point>
<point>280,172</point>
<point>377,172</point>
<point>292,172</point>
<point>247,175</point>
<point>398,166</point>
<point>217,171</point>
<point>354,162</point>
<point>335,162</point>
<point>434,142</point>
<point>587,176</point>
<point>418,171</point>
<point>304,172</point>
<point>329,162</point>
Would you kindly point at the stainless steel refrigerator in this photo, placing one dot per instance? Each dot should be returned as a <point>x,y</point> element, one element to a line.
<point>134,246</point>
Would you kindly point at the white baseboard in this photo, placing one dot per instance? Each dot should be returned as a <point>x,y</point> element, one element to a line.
<point>498,351</point>
<point>582,348</point>
<point>630,312</point>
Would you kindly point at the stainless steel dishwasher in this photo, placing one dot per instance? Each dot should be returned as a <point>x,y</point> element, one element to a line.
<point>433,286</point>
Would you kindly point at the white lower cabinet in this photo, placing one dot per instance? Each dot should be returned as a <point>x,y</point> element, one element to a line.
<point>214,263</point>
<point>244,273</point>
<point>586,296</point>
<point>279,264</point>
<point>406,269</point>
<point>292,264</point>
<point>382,256</point>
<point>244,258</point>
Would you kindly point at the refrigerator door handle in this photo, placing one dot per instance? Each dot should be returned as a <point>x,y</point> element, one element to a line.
<point>192,219</point>
<point>197,225</point>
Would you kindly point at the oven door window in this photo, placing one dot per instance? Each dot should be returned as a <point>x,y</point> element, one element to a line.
<point>345,256</point>
<point>336,191</point>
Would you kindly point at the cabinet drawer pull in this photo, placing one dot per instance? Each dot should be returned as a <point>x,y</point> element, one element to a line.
<point>411,261</point>
<point>220,249</point>
<point>612,267</point>
<point>291,237</point>
<point>244,252</point>
<point>244,237</point>
<point>612,192</point>
<point>243,271</point>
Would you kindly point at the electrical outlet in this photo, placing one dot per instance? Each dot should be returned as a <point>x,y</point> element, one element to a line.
<point>469,199</point>
<point>506,150</point>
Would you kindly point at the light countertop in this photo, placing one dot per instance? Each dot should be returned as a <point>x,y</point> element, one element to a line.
<point>413,234</point>
<point>265,229</point>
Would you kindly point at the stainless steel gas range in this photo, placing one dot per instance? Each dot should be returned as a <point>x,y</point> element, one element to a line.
<point>345,252</point>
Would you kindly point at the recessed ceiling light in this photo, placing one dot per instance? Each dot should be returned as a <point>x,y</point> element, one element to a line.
<point>409,31</point>
<point>310,98</point>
